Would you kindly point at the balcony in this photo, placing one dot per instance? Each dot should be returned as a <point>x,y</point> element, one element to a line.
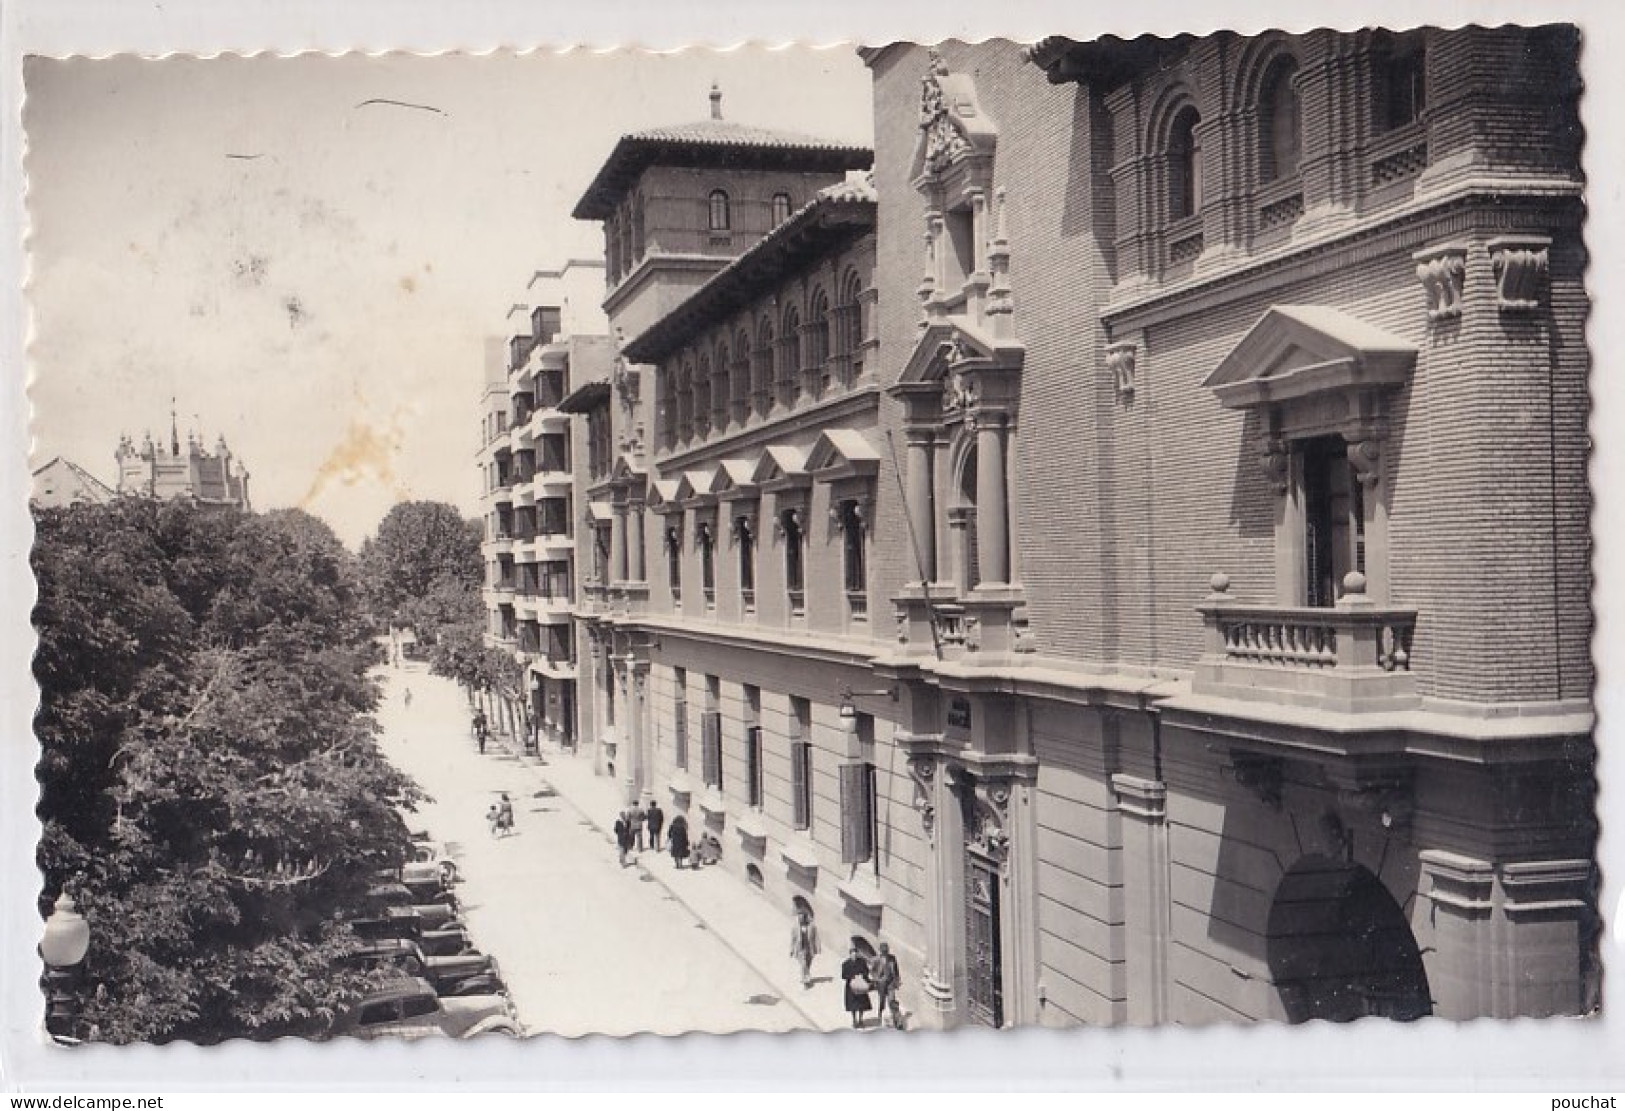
<point>1351,658</point>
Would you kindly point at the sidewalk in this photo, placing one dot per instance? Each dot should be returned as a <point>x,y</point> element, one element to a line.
<point>744,921</point>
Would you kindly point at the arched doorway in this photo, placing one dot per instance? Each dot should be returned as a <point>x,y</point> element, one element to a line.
<point>962,525</point>
<point>1339,947</point>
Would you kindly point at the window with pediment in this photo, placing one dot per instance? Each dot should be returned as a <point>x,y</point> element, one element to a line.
<point>853,522</point>
<point>795,552</point>
<point>744,531</point>
<point>674,561</point>
<point>705,540</point>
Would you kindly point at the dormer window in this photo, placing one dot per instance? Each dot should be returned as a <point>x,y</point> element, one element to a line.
<point>1184,166</point>
<point>721,218</point>
<point>1280,145</point>
<point>781,208</point>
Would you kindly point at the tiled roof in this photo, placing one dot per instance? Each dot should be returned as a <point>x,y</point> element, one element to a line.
<point>712,143</point>
<point>836,215</point>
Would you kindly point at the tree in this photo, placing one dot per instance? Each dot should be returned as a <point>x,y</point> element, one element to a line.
<point>211,788</point>
<point>419,546</point>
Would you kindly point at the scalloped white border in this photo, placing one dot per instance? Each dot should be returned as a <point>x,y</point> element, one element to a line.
<point>1555,1057</point>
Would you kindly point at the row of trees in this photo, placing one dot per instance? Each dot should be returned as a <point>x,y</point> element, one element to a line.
<point>423,572</point>
<point>210,787</point>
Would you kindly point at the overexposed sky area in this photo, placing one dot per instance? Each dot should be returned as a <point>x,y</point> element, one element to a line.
<point>314,276</point>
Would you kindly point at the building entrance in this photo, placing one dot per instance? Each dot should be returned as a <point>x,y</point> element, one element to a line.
<point>1339,947</point>
<point>984,967</point>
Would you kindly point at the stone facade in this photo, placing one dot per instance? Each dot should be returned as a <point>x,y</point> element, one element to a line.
<point>171,472</point>
<point>528,457</point>
<point>1214,470</point>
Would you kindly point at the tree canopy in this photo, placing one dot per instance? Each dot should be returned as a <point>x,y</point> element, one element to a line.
<point>210,786</point>
<point>420,547</point>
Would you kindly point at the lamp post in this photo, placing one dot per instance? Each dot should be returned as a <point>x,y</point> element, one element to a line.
<point>63,946</point>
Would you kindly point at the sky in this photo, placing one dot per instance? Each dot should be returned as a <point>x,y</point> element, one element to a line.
<point>314,276</point>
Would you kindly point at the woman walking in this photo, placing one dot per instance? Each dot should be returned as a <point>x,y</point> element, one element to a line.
<point>804,944</point>
<point>677,838</point>
<point>855,982</point>
<point>623,838</point>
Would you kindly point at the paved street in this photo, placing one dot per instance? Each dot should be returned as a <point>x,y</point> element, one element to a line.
<point>586,945</point>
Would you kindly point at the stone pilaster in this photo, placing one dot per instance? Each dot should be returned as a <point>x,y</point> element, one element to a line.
<point>1143,804</point>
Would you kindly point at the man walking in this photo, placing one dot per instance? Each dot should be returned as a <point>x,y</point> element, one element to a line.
<point>655,819</point>
<point>637,815</point>
<point>804,944</point>
<point>883,977</point>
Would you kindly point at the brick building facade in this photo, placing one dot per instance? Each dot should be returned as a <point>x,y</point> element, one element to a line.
<point>1164,598</point>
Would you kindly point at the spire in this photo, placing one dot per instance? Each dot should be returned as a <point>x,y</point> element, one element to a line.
<point>716,101</point>
<point>174,430</point>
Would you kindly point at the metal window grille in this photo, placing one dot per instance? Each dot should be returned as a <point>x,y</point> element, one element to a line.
<point>753,764</point>
<point>801,784</point>
<point>857,813</point>
<point>680,734</point>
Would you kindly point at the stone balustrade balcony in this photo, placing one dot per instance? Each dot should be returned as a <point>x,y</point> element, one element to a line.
<point>1352,657</point>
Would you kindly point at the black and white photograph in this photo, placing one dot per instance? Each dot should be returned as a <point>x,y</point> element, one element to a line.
<point>886,539</point>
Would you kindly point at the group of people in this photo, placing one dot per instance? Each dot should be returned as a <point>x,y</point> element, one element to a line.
<point>861,976</point>
<point>500,816</point>
<point>638,822</point>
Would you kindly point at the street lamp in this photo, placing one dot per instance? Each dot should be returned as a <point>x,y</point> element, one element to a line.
<point>63,946</point>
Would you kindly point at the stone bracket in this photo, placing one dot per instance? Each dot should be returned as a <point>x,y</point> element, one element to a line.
<point>1442,271</point>
<point>1519,263</point>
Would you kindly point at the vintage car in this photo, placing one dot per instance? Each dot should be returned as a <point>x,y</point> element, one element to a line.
<point>469,973</point>
<point>435,854</point>
<point>407,923</point>
<point>412,1009</point>
<point>435,913</point>
<point>428,880</point>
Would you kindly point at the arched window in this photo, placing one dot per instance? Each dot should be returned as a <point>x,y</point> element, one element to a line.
<point>721,218</point>
<point>761,375</point>
<point>1279,144</point>
<point>818,344</point>
<point>667,417</point>
<point>739,373</point>
<point>789,370</point>
<point>849,329</point>
<point>702,397</point>
<point>781,208</point>
<point>1184,165</point>
<point>685,403</point>
<point>720,386</point>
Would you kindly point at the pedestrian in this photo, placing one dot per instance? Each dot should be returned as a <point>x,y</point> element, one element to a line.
<point>678,840</point>
<point>505,815</point>
<point>655,819</point>
<point>637,816</point>
<point>804,944</point>
<point>623,837</point>
<point>493,818</point>
<point>708,851</point>
<point>408,698</point>
<point>855,985</point>
<point>884,976</point>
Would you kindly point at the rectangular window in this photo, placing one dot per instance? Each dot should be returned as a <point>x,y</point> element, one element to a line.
<point>674,562</point>
<point>801,763</point>
<point>1334,518</point>
<point>711,748</point>
<point>680,717</point>
<point>753,766</point>
<point>857,812</point>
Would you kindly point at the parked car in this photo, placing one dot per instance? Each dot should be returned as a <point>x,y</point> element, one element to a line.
<point>435,913</point>
<point>433,853</point>
<point>405,922</point>
<point>427,881</point>
<point>469,973</point>
<point>411,1009</point>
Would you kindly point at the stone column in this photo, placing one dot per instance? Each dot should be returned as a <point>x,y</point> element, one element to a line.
<point>942,976</point>
<point>617,545</point>
<point>992,545</point>
<point>1143,804</point>
<point>639,569</point>
<point>637,729</point>
<point>921,501</point>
